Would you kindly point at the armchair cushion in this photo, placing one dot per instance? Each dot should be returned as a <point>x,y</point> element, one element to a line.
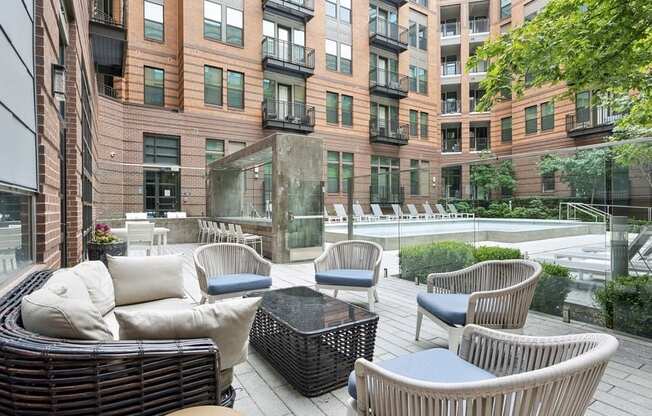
<point>346,277</point>
<point>437,365</point>
<point>98,281</point>
<point>231,283</point>
<point>450,308</point>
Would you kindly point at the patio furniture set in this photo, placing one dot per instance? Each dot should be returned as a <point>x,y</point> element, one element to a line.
<point>397,214</point>
<point>317,342</point>
<point>218,232</point>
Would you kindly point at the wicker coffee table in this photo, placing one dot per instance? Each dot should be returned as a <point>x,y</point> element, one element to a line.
<point>312,339</point>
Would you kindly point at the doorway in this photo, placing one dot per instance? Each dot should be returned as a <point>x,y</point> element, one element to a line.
<point>162,192</point>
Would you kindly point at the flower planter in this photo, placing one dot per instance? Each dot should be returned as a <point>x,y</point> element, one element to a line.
<point>98,251</point>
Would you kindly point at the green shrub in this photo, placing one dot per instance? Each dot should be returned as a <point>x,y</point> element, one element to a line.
<point>552,289</point>
<point>444,256</point>
<point>626,304</point>
<point>484,253</point>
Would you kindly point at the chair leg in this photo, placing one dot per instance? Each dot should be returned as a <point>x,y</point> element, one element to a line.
<point>203,299</point>
<point>419,321</point>
<point>372,299</point>
<point>454,338</point>
<point>317,288</point>
<point>376,294</point>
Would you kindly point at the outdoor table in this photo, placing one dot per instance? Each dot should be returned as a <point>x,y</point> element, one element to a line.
<point>160,234</point>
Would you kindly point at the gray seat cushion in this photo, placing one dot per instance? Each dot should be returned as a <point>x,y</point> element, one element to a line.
<point>437,365</point>
<point>232,283</point>
<point>346,277</point>
<point>450,308</point>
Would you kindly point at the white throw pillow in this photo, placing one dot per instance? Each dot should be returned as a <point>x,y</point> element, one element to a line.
<point>141,279</point>
<point>74,285</point>
<point>226,322</point>
<point>98,281</point>
<point>55,312</point>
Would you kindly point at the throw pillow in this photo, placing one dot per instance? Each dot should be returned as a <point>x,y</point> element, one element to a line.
<point>98,281</point>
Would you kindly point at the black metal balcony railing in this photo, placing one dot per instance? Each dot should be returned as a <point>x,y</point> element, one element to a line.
<point>390,133</point>
<point>108,36</point>
<point>451,68</point>
<point>450,106</point>
<point>391,83</point>
<point>288,52</point>
<point>450,29</point>
<point>297,9</point>
<point>108,91</point>
<point>385,31</point>
<point>451,146</point>
<point>287,114</point>
<point>385,195</point>
<point>479,25</point>
<point>113,17</point>
<point>591,120</point>
<point>480,144</point>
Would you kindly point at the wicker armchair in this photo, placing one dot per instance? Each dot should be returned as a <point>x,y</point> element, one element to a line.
<point>495,294</point>
<point>44,376</point>
<point>350,265</point>
<point>527,376</point>
<point>227,270</point>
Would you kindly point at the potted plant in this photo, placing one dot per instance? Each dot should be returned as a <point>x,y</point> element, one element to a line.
<point>104,242</point>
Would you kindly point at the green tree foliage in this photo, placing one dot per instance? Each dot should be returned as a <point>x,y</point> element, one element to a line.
<point>584,171</point>
<point>490,177</point>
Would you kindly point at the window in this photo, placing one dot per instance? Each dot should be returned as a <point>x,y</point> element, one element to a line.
<point>385,180</point>
<point>234,25</point>
<point>345,58</point>
<point>87,162</point>
<point>451,136</point>
<point>331,55</point>
<point>214,150</point>
<point>161,150</point>
<point>423,126</point>
<point>212,20</point>
<point>347,170</point>
<point>547,116</point>
<point>505,9</point>
<point>331,9</point>
<point>479,138</point>
<point>235,146</point>
<point>418,80</point>
<point>154,86</point>
<point>548,182</point>
<point>347,110</point>
<point>423,3</point>
<point>154,20</point>
<point>16,236</point>
<point>332,107</point>
<point>531,120</point>
<point>333,185</point>
<point>235,89</point>
<point>419,177</point>
<point>506,129</point>
<point>418,36</point>
<point>414,127</point>
<point>452,181</point>
<point>212,85</point>
<point>345,11</point>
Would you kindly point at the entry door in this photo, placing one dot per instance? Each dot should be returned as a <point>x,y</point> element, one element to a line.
<point>284,43</point>
<point>284,101</point>
<point>382,71</point>
<point>382,22</point>
<point>161,192</point>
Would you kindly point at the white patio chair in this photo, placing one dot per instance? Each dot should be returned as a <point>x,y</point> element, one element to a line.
<point>413,211</point>
<point>136,215</point>
<point>213,232</point>
<point>226,234</point>
<point>201,226</point>
<point>226,270</point>
<point>453,210</point>
<point>252,240</point>
<point>496,294</point>
<point>140,234</point>
<point>493,374</point>
<point>429,213</point>
<point>360,215</point>
<point>378,212</point>
<point>350,265</point>
<point>442,211</point>
<point>340,212</point>
<point>398,212</point>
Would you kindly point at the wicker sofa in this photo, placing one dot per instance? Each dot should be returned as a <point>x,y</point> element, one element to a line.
<point>43,376</point>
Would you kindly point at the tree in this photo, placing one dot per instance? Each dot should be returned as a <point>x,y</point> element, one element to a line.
<point>489,177</point>
<point>584,171</point>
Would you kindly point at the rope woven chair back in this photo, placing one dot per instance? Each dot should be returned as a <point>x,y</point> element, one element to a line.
<point>359,255</point>
<point>226,258</point>
<point>140,232</point>
<point>10,238</point>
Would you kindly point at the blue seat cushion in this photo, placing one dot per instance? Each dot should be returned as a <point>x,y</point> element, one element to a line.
<point>346,277</point>
<point>450,308</point>
<point>437,365</point>
<point>231,283</point>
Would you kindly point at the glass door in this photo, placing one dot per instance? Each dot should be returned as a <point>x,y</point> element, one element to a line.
<point>162,192</point>
<point>283,43</point>
<point>382,71</point>
<point>284,101</point>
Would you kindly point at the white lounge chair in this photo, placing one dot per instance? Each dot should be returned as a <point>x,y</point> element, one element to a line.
<point>340,212</point>
<point>360,215</point>
<point>453,210</point>
<point>429,212</point>
<point>136,215</point>
<point>398,212</point>
<point>253,240</point>
<point>442,211</point>
<point>378,212</point>
<point>414,212</point>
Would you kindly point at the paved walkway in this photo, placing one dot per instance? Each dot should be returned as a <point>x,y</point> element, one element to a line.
<point>625,390</point>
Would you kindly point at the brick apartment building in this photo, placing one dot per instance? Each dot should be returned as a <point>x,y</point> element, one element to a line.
<point>134,97</point>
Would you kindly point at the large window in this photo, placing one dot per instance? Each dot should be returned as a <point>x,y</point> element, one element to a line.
<point>214,150</point>
<point>385,180</point>
<point>331,55</point>
<point>479,138</point>
<point>338,57</point>
<point>505,9</point>
<point>548,182</point>
<point>451,139</point>
<point>87,161</point>
<point>452,181</point>
<point>15,233</point>
<point>332,106</point>
<point>418,36</point>
<point>212,20</point>
<point>347,110</point>
<point>161,186</point>
<point>345,11</point>
<point>212,85</point>
<point>531,119</point>
<point>423,125</point>
<point>154,86</point>
<point>506,129</point>
<point>547,116</point>
<point>161,150</point>
<point>235,89</point>
<point>153,13</point>
<point>340,169</point>
<point>414,123</point>
<point>418,79</point>
<point>331,8</point>
<point>345,58</point>
<point>234,26</point>
<point>419,177</point>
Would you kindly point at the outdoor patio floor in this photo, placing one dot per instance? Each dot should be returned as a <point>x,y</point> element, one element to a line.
<point>626,388</point>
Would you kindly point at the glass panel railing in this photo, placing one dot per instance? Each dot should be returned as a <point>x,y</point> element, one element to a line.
<point>479,68</point>
<point>450,29</point>
<point>451,68</point>
<point>450,106</point>
<point>479,25</point>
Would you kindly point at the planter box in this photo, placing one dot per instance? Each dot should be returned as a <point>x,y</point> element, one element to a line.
<point>99,251</point>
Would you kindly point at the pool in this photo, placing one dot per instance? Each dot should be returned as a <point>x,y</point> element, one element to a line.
<point>392,234</point>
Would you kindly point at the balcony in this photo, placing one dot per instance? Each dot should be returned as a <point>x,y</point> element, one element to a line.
<point>288,58</point>
<point>478,26</point>
<point>292,116</point>
<point>396,3</point>
<point>388,134</point>
<point>385,195</point>
<point>591,122</point>
<point>387,35</point>
<point>451,106</point>
<point>450,29</point>
<point>303,10</point>
<point>388,84</point>
<point>108,38</point>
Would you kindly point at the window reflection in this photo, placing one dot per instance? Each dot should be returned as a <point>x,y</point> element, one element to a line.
<point>15,236</point>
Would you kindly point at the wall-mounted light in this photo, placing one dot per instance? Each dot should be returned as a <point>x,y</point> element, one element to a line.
<point>256,170</point>
<point>59,82</point>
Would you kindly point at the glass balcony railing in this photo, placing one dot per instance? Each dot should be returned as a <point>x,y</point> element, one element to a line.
<point>288,52</point>
<point>389,80</point>
<point>450,29</point>
<point>288,112</point>
<point>479,25</point>
<point>388,30</point>
<point>450,106</point>
<point>451,68</point>
<point>480,68</point>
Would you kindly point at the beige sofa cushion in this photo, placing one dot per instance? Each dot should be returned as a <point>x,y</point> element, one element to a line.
<point>74,285</point>
<point>172,304</point>
<point>141,279</point>
<point>98,281</point>
<point>55,311</point>
<point>227,323</point>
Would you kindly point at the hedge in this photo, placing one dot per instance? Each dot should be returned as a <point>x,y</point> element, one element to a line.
<point>626,304</point>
